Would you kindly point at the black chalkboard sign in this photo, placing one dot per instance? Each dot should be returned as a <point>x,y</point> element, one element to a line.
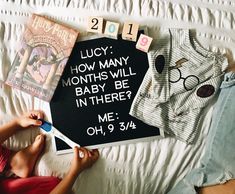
<point>92,101</point>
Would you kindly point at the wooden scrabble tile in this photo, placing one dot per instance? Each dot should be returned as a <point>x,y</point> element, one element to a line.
<point>144,43</point>
<point>95,24</point>
<point>111,29</point>
<point>130,30</point>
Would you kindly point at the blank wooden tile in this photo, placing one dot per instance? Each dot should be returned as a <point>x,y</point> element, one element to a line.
<point>95,24</point>
<point>130,31</point>
<point>144,43</point>
<point>111,29</point>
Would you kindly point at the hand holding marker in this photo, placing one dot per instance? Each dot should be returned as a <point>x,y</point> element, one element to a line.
<point>49,128</point>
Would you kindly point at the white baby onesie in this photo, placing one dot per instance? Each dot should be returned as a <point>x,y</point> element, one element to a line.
<point>181,80</point>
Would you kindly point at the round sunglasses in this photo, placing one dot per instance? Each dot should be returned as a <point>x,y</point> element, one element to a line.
<point>189,82</point>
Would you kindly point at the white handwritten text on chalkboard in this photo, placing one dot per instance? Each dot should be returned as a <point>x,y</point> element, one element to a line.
<point>108,125</point>
<point>91,74</point>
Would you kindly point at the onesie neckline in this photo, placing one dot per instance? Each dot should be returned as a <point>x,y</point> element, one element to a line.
<point>186,41</point>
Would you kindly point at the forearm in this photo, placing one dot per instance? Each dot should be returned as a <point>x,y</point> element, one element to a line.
<point>65,186</point>
<point>8,130</point>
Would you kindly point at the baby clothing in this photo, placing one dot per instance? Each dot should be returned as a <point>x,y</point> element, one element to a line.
<point>4,157</point>
<point>217,164</point>
<point>181,80</point>
<point>31,185</point>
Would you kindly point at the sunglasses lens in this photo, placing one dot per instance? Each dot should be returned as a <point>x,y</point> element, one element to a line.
<point>191,82</point>
<point>175,75</point>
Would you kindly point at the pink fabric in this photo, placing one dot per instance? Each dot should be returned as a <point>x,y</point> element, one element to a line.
<point>4,156</point>
<point>31,185</point>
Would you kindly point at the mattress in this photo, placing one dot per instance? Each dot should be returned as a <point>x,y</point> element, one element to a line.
<point>153,166</point>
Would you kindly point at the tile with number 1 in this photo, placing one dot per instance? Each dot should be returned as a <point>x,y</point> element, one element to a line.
<point>130,31</point>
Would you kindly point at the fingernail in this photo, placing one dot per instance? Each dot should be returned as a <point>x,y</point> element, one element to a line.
<point>39,122</point>
<point>81,154</point>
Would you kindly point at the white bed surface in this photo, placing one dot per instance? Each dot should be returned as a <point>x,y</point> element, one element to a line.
<point>144,167</point>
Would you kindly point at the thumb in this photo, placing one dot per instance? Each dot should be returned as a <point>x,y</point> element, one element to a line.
<point>34,122</point>
<point>76,152</point>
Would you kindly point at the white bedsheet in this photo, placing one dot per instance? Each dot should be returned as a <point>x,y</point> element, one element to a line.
<point>145,167</point>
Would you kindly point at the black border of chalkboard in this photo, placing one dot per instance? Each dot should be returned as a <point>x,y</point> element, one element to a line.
<point>61,98</point>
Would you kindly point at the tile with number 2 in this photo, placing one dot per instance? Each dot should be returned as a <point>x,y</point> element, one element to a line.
<point>95,24</point>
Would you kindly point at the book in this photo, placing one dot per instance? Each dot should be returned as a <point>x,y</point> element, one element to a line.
<point>44,51</point>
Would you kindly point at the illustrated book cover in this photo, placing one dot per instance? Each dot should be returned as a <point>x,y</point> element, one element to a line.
<point>92,101</point>
<point>44,51</point>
